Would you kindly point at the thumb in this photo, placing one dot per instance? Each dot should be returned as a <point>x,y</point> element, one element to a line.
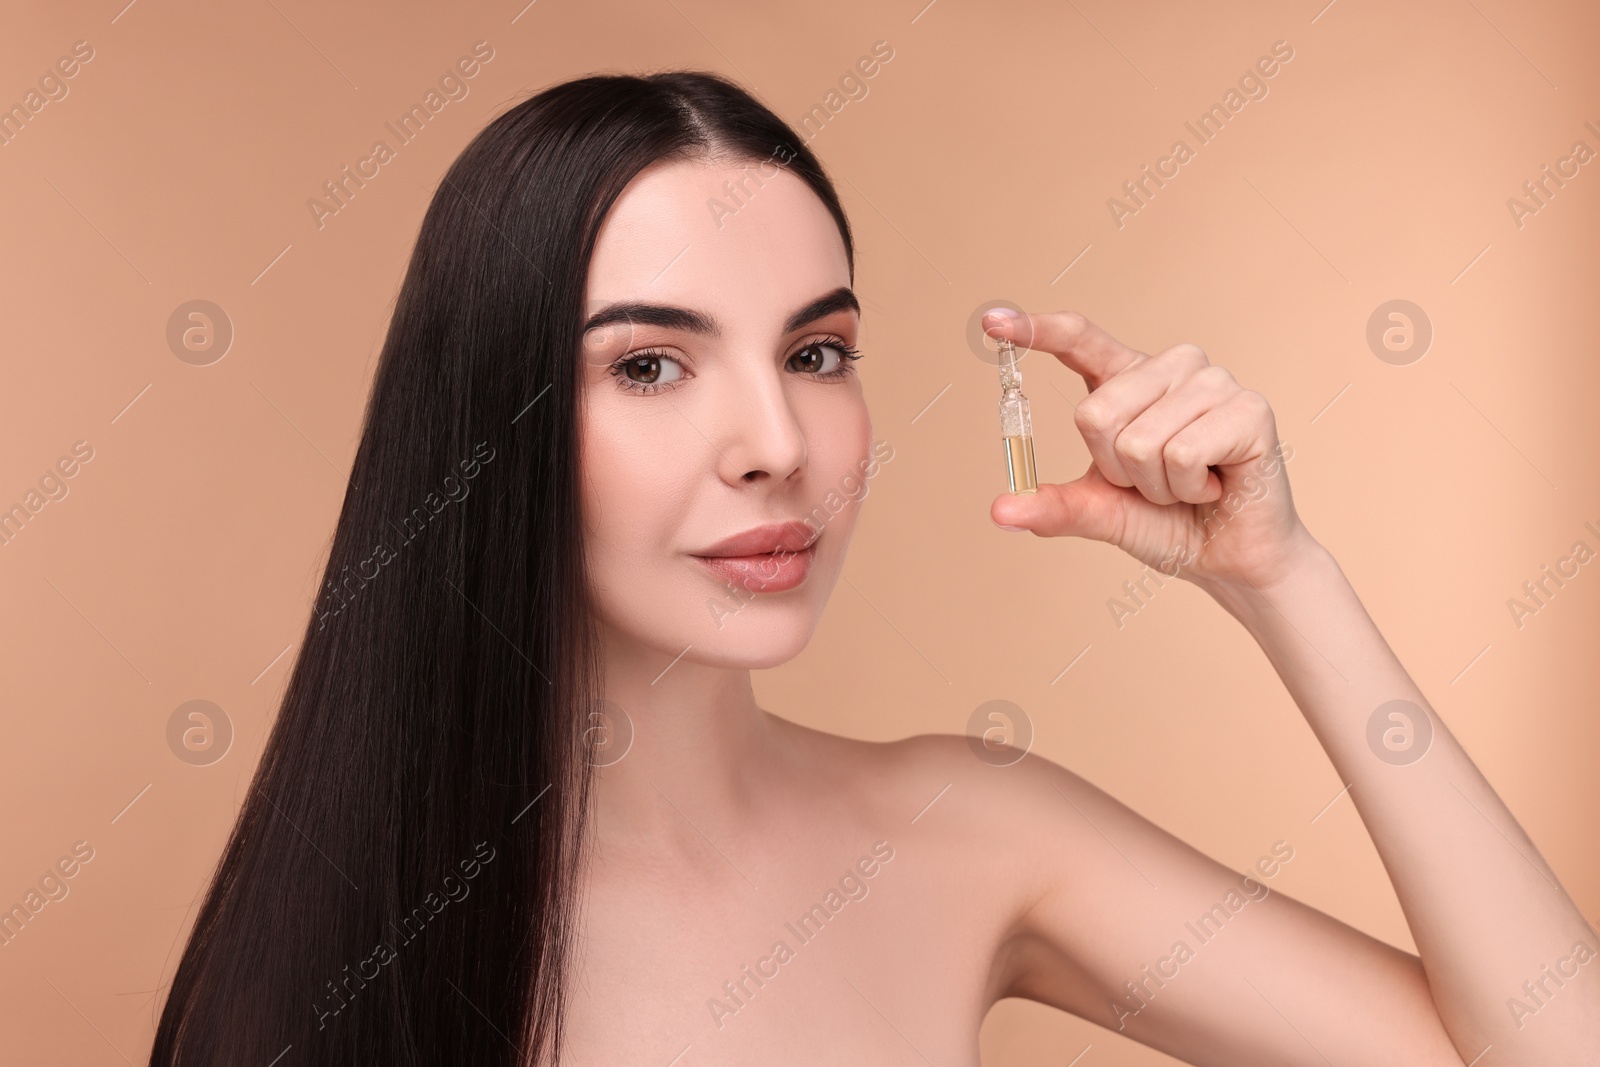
<point>1088,507</point>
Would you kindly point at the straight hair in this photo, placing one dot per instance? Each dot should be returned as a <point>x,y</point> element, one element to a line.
<point>400,886</point>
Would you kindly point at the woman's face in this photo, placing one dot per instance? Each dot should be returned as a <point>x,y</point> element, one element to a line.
<point>717,399</point>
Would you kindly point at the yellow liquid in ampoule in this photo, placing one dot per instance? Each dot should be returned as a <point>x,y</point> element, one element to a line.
<point>1019,465</point>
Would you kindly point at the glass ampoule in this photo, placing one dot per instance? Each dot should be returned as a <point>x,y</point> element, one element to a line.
<point>1016,423</point>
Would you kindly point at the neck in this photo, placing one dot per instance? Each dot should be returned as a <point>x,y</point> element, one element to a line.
<point>700,745</point>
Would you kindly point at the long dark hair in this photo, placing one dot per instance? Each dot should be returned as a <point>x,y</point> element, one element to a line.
<point>401,884</point>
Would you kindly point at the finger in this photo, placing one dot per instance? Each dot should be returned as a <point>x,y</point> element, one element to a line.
<point>1084,347</point>
<point>1240,429</point>
<point>1104,415</point>
<point>1142,446</point>
<point>1089,507</point>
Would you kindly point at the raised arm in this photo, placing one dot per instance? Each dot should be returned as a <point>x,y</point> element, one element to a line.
<point>1503,949</point>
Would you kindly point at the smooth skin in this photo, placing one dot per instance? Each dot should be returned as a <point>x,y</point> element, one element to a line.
<point>938,883</point>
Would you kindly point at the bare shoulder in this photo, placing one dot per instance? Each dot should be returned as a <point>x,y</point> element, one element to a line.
<point>925,770</point>
<point>1044,882</point>
<point>1025,814</point>
<point>1008,820</point>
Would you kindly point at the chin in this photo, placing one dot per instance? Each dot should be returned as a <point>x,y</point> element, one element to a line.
<point>770,630</point>
<point>750,643</point>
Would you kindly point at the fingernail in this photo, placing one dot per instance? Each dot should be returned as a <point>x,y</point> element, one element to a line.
<point>1014,529</point>
<point>1005,316</point>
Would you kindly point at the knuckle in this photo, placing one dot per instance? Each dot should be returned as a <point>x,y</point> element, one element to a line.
<point>1187,354</point>
<point>1180,454</point>
<point>1258,402</point>
<point>1092,414</point>
<point>1072,323</point>
<point>1135,447</point>
<point>1216,376</point>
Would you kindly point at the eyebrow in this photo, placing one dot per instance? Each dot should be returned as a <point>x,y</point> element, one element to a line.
<point>671,317</point>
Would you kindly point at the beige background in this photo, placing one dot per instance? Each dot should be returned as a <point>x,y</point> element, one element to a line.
<point>182,562</point>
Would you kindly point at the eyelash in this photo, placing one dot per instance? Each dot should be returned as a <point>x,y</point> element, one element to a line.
<point>847,356</point>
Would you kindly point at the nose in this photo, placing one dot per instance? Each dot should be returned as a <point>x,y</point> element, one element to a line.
<point>760,438</point>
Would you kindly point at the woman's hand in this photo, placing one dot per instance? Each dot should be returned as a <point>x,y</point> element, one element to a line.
<point>1187,467</point>
<point>1187,472</point>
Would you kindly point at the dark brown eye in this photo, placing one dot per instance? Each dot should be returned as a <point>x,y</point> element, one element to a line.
<point>644,369</point>
<point>814,358</point>
<point>647,372</point>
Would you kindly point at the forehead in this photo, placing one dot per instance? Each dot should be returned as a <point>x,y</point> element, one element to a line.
<point>744,241</point>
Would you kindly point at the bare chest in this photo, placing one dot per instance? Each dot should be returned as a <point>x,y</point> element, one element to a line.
<point>857,960</point>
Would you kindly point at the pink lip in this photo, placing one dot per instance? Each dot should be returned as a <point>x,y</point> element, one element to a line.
<point>765,559</point>
<point>761,540</point>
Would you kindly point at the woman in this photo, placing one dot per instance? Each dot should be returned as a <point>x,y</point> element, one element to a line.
<point>520,799</point>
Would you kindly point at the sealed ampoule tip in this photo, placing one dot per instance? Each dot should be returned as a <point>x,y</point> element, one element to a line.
<point>1016,423</point>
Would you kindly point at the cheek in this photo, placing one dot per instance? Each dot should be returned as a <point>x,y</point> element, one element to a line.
<point>637,486</point>
<point>839,438</point>
<point>841,447</point>
<point>627,489</point>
